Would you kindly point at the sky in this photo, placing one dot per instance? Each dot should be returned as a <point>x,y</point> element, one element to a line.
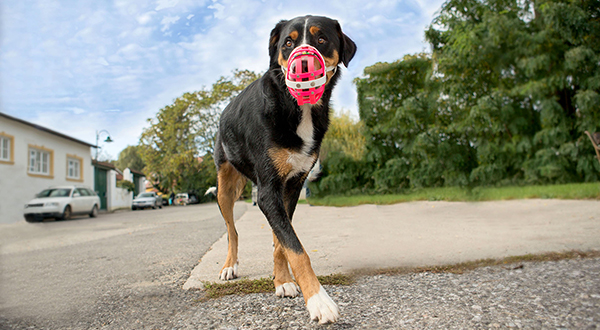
<point>81,66</point>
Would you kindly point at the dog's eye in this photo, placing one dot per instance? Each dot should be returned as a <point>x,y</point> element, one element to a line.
<point>322,40</point>
<point>289,43</point>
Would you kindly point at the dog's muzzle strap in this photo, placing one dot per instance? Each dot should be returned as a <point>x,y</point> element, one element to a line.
<point>309,84</point>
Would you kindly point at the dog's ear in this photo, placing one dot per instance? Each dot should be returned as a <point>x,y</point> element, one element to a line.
<point>347,46</point>
<point>274,40</point>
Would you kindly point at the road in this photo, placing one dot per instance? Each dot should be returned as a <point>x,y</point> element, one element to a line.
<point>127,270</point>
<point>121,269</point>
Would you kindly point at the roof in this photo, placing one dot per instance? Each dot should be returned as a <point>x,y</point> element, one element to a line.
<point>104,165</point>
<point>140,173</point>
<point>47,130</point>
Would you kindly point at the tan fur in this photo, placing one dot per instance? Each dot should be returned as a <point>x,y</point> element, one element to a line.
<point>331,61</point>
<point>283,62</point>
<point>280,157</point>
<point>230,186</point>
<point>281,271</point>
<point>303,273</point>
<point>314,30</point>
<point>294,35</point>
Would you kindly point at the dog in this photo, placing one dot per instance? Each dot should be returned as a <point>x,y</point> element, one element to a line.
<point>271,134</point>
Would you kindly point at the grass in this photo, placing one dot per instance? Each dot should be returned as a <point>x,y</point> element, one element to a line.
<point>262,285</point>
<point>463,267</point>
<point>563,191</point>
<point>265,285</point>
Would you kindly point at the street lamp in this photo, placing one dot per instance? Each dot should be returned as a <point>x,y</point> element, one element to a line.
<point>108,139</point>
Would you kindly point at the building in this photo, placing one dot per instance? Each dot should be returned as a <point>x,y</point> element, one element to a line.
<point>112,197</point>
<point>32,158</point>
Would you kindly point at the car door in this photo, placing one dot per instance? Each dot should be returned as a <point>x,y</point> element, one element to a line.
<point>82,200</point>
<point>94,199</point>
<point>77,202</point>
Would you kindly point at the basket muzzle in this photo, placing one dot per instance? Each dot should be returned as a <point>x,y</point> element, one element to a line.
<point>305,75</point>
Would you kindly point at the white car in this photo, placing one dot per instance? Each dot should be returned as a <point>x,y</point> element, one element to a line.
<point>182,199</point>
<point>147,199</point>
<point>62,202</point>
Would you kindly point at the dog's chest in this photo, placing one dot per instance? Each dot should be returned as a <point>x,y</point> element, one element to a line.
<point>305,129</point>
<point>290,163</point>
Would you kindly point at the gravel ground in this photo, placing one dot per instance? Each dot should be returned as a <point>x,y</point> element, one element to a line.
<point>545,295</point>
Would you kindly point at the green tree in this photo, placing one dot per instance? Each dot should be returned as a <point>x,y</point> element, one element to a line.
<point>171,146</point>
<point>130,158</point>
<point>524,75</point>
<point>345,135</point>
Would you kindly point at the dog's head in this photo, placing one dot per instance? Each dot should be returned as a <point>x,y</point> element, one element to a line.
<point>322,33</point>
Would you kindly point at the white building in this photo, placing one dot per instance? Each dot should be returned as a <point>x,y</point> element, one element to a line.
<point>32,158</point>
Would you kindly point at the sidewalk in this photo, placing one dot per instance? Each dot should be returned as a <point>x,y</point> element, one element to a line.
<point>340,240</point>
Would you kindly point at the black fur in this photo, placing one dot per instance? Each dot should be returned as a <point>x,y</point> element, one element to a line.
<point>265,115</point>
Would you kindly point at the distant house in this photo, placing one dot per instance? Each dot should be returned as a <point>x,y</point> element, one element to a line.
<point>32,158</point>
<point>112,198</point>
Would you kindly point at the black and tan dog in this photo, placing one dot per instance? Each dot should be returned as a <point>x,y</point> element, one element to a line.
<point>265,136</point>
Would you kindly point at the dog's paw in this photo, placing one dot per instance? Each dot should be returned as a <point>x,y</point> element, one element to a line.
<point>229,273</point>
<point>322,308</point>
<point>289,289</point>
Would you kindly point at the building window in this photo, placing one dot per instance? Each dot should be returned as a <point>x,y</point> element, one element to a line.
<point>40,162</point>
<point>74,168</point>
<point>6,149</point>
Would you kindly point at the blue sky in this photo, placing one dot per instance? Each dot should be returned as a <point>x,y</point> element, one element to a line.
<point>79,66</point>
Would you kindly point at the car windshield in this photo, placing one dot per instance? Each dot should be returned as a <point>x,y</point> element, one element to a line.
<point>59,192</point>
<point>181,196</point>
<point>145,195</point>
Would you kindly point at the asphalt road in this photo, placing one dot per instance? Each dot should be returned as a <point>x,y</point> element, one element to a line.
<point>126,271</point>
<point>122,270</point>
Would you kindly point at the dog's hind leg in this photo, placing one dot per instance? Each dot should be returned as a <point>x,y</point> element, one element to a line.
<point>284,284</point>
<point>318,302</point>
<point>230,185</point>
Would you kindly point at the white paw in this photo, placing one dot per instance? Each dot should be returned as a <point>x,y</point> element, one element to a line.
<point>289,289</point>
<point>229,273</point>
<point>322,308</point>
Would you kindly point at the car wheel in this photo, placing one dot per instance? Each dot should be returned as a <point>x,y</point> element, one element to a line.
<point>133,208</point>
<point>94,212</point>
<point>66,213</point>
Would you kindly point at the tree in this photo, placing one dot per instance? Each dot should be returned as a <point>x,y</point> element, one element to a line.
<point>130,158</point>
<point>524,75</point>
<point>344,135</point>
<point>182,131</point>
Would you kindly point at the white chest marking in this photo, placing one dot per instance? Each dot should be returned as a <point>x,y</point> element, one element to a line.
<point>306,130</point>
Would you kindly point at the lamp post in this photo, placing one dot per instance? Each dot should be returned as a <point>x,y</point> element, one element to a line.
<point>108,139</point>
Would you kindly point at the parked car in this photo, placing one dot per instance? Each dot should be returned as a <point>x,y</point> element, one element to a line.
<point>182,199</point>
<point>62,202</point>
<point>147,200</point>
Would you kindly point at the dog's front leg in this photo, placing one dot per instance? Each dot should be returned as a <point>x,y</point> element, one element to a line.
<point>318,303</point>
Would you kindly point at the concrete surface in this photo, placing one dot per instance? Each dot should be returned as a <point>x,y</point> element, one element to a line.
<point>411,234</point>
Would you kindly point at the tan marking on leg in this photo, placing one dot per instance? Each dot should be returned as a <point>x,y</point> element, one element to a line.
<point>280,158</point>
<point>303,273</point>
<point>314,30</point>
<point>281,271</point>
<point>230,186</point>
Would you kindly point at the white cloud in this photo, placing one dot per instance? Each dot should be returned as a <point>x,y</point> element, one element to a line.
<point>164,4</point>
<point>167,21</point>
<point>145,18</point>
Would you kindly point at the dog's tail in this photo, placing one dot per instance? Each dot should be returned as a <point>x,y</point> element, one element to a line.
<point>211,190</point>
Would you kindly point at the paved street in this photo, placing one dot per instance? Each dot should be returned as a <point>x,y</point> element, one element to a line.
<point>127,270</point>
<point>122,269</point>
